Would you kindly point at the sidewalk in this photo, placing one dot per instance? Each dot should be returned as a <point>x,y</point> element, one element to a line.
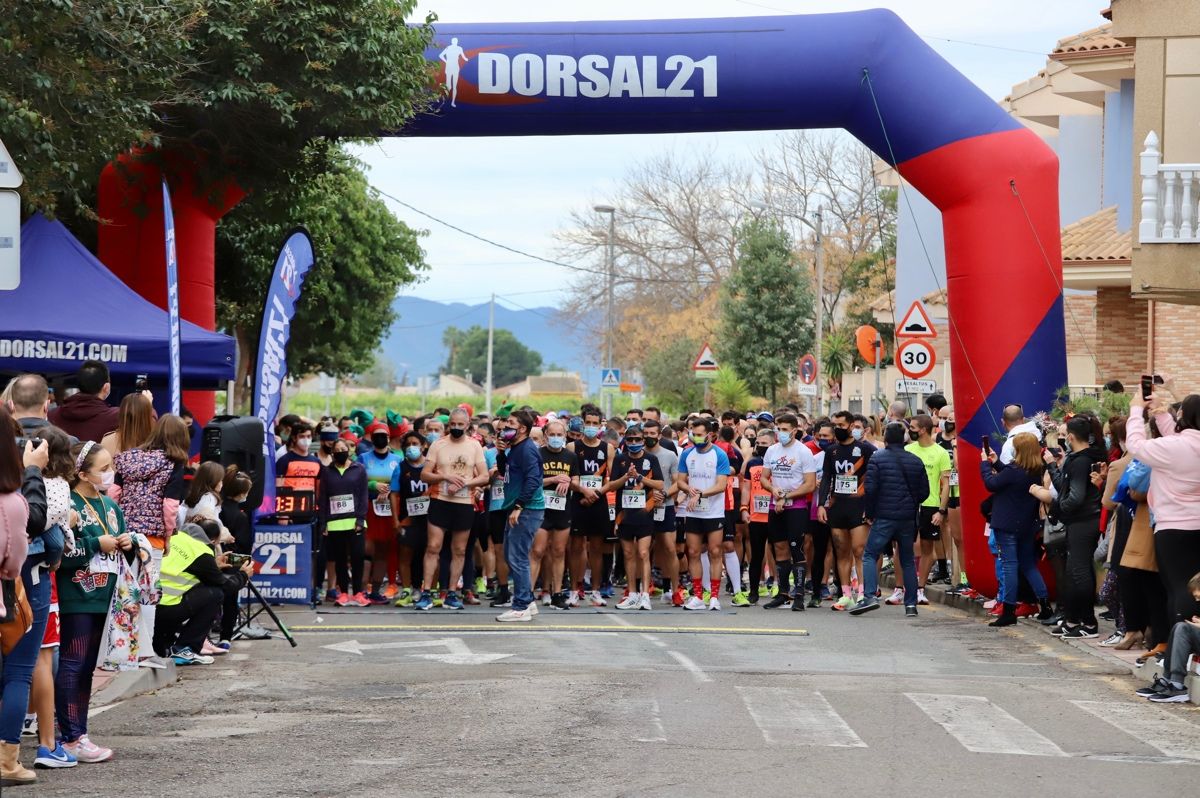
<point>109,687</point>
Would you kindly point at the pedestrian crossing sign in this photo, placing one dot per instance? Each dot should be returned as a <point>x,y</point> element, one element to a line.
<point>610,378</point>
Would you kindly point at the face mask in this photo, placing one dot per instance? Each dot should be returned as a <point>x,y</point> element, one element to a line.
<point>107,478</point>
<point>341,458</point>
<point>380,441</point>
<point>508,435</point>
<point>825,445</point>
<point>635,448</point>
<point>651,443</point>
<point>760,450</point>
<point>413,452</point>
<point>591,432</point>
<point>842,435</point>
<point>785,437</point>
<point>432,436</point>
<point>948,426</point>
<point>699,440</point>
<point>303,443</point>
<point>556,442</point>
<point>457,433</point>
<point>285,436</point>
<point>1107,441</point>
<point>856,433</point>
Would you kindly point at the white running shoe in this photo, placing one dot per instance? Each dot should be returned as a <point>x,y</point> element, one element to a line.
<point>921,597</point>
<point>644,604</point>
<point>714,604</point>
<point>533,608</point>
<point>573,598</point>
<point>515,616</point>
<point>694,603</point>
<point>630,602</point>
<point>897,597</point>
<point>598,600</point>
<point>546,598</point>
<point>87,752</point>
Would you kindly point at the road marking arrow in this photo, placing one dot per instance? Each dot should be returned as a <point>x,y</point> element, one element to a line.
<point>457,652</point>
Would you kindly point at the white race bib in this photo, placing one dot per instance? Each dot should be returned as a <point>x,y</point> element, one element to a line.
<point>382,508</point>
<point>554,501</point>
<point>633,500</point>
<point>845,484</point>
<point>612,513</point>
<point>341,505</point>
<point>104,563</point>
<point>762,503</point>
<point>735,482</point>
<point>594,482</point>
<point>498,492</point>
<point>462,493</point>
<point>703,504</point>
<point>660,513</point>
<point>954,479</point>
<point>417,506</point>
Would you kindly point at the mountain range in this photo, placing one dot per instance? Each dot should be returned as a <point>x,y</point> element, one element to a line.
<point>414,343</point>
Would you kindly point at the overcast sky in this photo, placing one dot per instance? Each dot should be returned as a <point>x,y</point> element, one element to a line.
<point>519,191</point>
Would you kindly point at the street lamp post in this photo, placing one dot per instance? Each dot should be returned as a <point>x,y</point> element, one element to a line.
<point>609,270</point>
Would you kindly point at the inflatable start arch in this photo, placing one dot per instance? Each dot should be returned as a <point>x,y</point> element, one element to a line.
<point>866,72</point>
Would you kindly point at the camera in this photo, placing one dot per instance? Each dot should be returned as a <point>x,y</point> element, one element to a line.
<point>237,560</point>
<point>142,383</point>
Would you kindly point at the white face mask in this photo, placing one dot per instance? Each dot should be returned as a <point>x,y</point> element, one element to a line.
<point>107,479</point>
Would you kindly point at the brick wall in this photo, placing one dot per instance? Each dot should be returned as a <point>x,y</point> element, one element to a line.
<point>1121,328</point>
<point>1176,330</point>
<point>1080,316</point>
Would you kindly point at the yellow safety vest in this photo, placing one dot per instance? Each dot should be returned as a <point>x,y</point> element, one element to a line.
<point>174,579</point>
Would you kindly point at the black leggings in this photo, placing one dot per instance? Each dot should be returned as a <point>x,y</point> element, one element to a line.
<point>758,551</point>
<point>186,624</point>
<point>1079,592</point>
<point>1178,554</point>
<point>347,550</point>
<point>820,542</point>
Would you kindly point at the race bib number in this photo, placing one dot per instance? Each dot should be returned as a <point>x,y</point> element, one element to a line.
<point>104,563</point>
<point>660,513</point>
<point>498,492</point>
<point>735,482</point>
<point>954,479</point>
<point>554,501</point>
<point>594,482</point>
<point>612,513</point>
<point>341,505</point>
<point>762,504</point>
<point>382,508</point>
<point>462,493</point>
<point>418,506</point>
<point>633,500</point>
<point>845,484</point>
<point>703,504</point>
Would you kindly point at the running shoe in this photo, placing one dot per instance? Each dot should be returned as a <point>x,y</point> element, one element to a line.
<point>865,605</point>
<point>910,612</point>
<point>58,758</point>
<point>185,656</point>
<point>452,602</point>
<point>360,600</point>
<point>1061,630</point>
<point>374,598</point>
<point>1154,688</point>
<point>753,597</point>
<point>332,596</point>
<point>777,602</point>
<point>546,598</point>
<point>405,598</point>
<point>481,586</point>
<point>533,608</point>
<point>503,598</point>
<point>630,602</point>
<point>559,601</point>
<point>209,650</point>
<point>1054,620</point>
<point>645,603</point>
<point>798,602</point>
<point>679,597</point>
<point>741,600</point>
<point>607,591</point>
<point>29,726</point>
<point>922,599</point>
<point>424,603</point>
<point>714,604</point>
<point>343,600</point>
<point>597,599</point>
<point>390,592</point>
<point>990,604</point>
<point>814,602</point>
<point>224,645</point>
<point>573,599</point>
<point>706,595</point>
<point>1026,610</point>
<point>694,603</point>
<point>842,604</point>
<point>1171,695</point>
<point>515,616</point>
<point>84,750</point>
<point>825,596</point>
<point>1081,632</point>
<point>469,597</point>
<point>1112,640</point>
<point>439,599</point>
<point>897,597</point>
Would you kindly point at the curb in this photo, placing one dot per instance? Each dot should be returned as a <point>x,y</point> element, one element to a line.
<point>127,684</point>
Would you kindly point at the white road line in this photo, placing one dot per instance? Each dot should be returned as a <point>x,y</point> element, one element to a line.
<point>1154,726</point>
<point>983,727</point>
<point>617,619</point>
<point>690,666</point>
<point>654,640</point>
<point>94,711</point>
<point>788,716</point>
<point>658,733</point>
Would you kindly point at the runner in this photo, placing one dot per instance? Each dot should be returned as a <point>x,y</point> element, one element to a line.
<point>756,508</point>
<point>843,488</point>
<point>948,440</point>
<point>664,512</point>
<point>789,474</point>
<point>591,517</point>
<point>703,475</point>
<point>560,468</point>
<point>381,464</point>
<point>934,508</point>
<point>817,549</point>
<point>410,514</point>
<point>455,467</point>
<point>636,478</point>
<point>734,529</point>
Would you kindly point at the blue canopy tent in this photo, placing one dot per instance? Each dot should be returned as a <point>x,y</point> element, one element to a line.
<point>69,308</point>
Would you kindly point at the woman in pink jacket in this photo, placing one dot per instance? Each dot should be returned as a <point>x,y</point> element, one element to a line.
<point>1174,497</point>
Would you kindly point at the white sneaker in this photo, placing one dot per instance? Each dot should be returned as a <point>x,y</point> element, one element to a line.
<point>533,608</point>
<point>645,602</point>
<point>29,727</point>
<point>88,752</point>
<point>921,597</point>
<point>598,600</point>
<point>515,616</point>
<point>897,597</point>
<point>573,598</point>
<point>694,603</point>
<point>546,599</point>
<point>714,604</point>
<point>665,598</point>
<point>630,602</point>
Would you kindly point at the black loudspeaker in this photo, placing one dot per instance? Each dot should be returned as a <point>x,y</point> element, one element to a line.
<point>237,440</point>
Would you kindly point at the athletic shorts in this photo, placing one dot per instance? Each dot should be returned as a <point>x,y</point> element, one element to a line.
<point>667,524</point>
<point>845,515</point>
<point>556,519</point>
<point>926,529</point>
<point>52,637</point>
<point>954,503</point>
<point>732,519</point>
<point>591,521</point>
<point>680,536</point>
<point>413,534</point>
<point>703,526</point>
<point>787,526</point>
<point>379,528</point>
<point>451,517</point>
<point>634,532</point>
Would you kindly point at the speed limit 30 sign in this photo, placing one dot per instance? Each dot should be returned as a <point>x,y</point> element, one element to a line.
<point>915,358</point>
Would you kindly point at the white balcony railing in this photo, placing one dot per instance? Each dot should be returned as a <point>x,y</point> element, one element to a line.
<point>1170,199</point>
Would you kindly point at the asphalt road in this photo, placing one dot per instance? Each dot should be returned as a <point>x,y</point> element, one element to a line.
<point>383,702</point>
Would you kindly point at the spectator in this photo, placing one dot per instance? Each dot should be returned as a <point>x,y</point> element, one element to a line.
<point>935,403</point>
<point>1078,507</point>
<point>1015,518</point>
<point>135,422</point>
<point>1171,687</point>
<point>233,515</point>
<point>204,494</point>
<point>1114,386</point>
<point>1014,421</point>
<point>29,403</point>
<point>86,415</point>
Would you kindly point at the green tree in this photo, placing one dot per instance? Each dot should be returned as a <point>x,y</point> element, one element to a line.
<point>766,309</point>
<point>668,374</point>
<point>512,361</point>
<point>381,374</point>
<point>729,390</point>
<point>364,256</point>
<point>837,354</point>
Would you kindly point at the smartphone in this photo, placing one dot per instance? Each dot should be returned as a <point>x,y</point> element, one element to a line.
<point>142,383</point>
<point>985,444</point>
<point>238,560</point>
<point>1096,468</point>
<point>1147,387</point>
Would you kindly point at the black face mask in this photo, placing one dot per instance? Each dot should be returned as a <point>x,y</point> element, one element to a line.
<point>950,426</point>
<point>341,458</point>
<point>380,441</point>
<point>457,433</point>
<point>651,443</point>
<point>842,435</point>
<point>760,450</point>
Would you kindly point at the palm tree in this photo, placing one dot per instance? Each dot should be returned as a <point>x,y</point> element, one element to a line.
<point>729,391</point>
<point>837,352</point>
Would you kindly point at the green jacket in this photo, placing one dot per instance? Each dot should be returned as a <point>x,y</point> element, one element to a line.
<point>80,590</point>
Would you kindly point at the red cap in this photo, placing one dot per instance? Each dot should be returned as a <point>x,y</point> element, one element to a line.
<point>377,426</point>
<point>470,410</point>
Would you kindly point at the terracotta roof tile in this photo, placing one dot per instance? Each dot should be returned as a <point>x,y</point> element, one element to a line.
<point>1096,238</point>
<point>1093,40</point>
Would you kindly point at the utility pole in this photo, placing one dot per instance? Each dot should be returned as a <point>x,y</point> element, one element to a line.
<point>820,228</point>
<point>491,341</point>
<point>609,269</point>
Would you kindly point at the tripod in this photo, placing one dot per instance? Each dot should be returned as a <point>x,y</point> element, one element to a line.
<point>247,614</point>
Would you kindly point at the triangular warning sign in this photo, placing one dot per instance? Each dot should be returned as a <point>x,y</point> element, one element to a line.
<point>706,360</point>
<point>10,176</point>
<point>916,323</point>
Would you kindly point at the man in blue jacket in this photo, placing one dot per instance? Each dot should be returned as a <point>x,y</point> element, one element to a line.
<point>895,487</point>
<point>525,503</point>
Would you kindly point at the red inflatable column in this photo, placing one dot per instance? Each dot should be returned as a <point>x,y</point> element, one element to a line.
<point>132,245</point>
